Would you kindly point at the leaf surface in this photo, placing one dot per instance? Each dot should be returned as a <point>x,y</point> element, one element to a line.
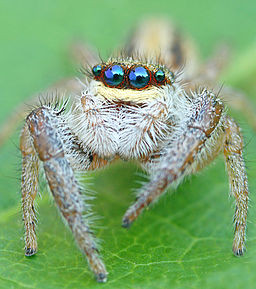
<point>183,241</point>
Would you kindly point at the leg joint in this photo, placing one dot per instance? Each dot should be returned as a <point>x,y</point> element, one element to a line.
<point>43,129</point>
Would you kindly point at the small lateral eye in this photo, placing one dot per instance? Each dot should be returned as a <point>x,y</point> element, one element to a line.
<point>139,77</point>
<point>159,76</point>
<point>96,70</point>
<point>114,75</point>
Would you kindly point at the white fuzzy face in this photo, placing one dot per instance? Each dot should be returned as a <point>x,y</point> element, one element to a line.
<point>127,123</point>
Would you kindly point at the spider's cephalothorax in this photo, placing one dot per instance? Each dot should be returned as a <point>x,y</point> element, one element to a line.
<point>130,110</point>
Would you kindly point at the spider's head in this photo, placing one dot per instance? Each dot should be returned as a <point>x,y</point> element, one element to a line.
<point>130,80</point>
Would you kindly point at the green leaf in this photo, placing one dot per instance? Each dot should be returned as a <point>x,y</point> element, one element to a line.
<point>183,241</point>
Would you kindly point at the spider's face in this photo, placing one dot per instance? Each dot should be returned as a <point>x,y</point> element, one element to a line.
<point>131,81</point>
<point>128,109</point>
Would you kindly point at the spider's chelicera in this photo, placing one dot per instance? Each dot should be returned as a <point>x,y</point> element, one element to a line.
<point>136,108</point>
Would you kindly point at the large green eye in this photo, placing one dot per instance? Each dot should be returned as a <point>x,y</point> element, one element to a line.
<point>139,77</point>
<point>159,76</point>
<point>96,70</point>
<point>114,75</point>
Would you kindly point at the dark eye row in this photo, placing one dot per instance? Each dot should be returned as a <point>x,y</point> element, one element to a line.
<point>136,77</point>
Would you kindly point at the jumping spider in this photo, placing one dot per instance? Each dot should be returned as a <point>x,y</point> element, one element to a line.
<point>138,105</point>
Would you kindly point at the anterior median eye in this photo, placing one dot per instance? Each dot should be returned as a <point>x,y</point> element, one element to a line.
<point>159,76</point>
<point>96,70</point>
<point>114,75</point>
<point>139,77</point>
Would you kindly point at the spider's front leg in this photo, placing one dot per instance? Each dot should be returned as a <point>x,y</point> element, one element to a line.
<point>29,188</point>
<point>207,133</point>
<point>41,140</point>
<point>233,149</point>
<point>178,157</point>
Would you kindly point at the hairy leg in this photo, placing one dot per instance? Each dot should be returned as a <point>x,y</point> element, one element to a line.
<point>45,131</point>
<point>233,149</point>
<point>29,188</point>
<point>178,158</point>
<point>205,136</point>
